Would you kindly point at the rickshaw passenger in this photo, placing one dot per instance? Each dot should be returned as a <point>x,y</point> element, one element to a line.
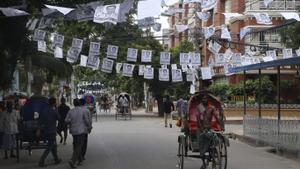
<point>207,114</point>
<point>124,103</point>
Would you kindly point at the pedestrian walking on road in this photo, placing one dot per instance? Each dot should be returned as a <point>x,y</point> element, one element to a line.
<point>168,108</point>
<point>10,129</point>
<point>179,107</point>
<point>47,122</point>
<point>86,111</point>
<point>62,126</point>
<point>80,125</point>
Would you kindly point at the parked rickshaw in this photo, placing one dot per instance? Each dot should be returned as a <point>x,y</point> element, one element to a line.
<point>105,103</point>
<point>27,138</point>
<point>188,142</point>
<point>123,110</point>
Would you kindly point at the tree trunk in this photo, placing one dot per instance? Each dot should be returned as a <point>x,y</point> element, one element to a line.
<point>160,106</point>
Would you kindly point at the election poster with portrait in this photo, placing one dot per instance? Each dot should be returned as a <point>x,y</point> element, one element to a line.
<point>42,46</point>
<point>190,75</point>
<point>107,13</point>
<point>132,55</point>
<point>73,54</point>
<point>287,53</point>
<point>272,54</point>
<point>195,58</point>
<point>206,73</point>
<point>58,40</point>
<point>146,56</point>
<point>77,43</point>
<point>148,73</point>
<point>164,75</point>
<point>94,48</point>
<point>128,69</point>
<point>83,60</point>
<point>39,35</point>
<point>165,58</point>
<point>93,61</point>
<point>107,65</point>
<point>236,58</point>
<point>184,58</point>
<point>112,51</point>
<point>263,18</point>
<point>176,75</point>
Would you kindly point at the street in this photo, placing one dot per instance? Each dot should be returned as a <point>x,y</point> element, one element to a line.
<point>143,143</point>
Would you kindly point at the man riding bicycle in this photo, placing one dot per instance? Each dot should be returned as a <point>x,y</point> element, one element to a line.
<point>208,120</point>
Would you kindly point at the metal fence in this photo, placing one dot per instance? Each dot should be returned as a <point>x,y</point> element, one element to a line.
<point>283,134</point>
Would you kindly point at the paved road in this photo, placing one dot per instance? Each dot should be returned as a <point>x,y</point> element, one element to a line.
<point>144,143</point>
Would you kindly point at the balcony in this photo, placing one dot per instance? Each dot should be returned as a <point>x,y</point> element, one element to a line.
<point>279,5</point>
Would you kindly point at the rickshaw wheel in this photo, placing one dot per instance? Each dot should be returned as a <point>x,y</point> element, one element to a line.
<point>181,151</point>
<point>223,153</point>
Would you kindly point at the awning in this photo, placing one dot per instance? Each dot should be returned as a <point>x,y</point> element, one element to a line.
<point>263,65</point>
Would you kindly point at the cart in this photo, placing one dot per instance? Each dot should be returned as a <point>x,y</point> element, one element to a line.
<point>123,111</point>
<point>188,143</point>
<point>28,126</point>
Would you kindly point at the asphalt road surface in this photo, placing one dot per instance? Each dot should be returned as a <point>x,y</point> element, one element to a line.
<point>144,143</point>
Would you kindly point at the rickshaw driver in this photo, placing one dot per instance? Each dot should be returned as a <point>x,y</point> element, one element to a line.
<point>207,114</point>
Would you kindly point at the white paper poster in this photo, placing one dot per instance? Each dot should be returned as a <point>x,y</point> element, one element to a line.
<point>83,60</point>
<point>58,40</point>
<point>263,18</point>
<point>58,52</point>
<point>148,73</point>
<point>39,35</point>
<point>190,76</point>
<point>267,2</point>
<point>146,55</point>
<point>208,4</point>
<point>211,61</point>
<point>181,28</point>
<point>290,15</point>
<point>94,48</point>
<point>225,34</point>
<point>195,58</point>
<point>128,69</point>
<point>42,47</point>
<point>164,74</point>
<point>208,32</point>
<point>132,55</point>
<point>176,75</point>
<point>287,53</point>
<point>214,47</point>
<point>204,16</point>
<point>231,15</point>
<point>173,66</point>
<point>92,61</point>
<point>298,52</point>
<point>112,51</point>
<point>228,54</point>
<point>184,58</point>
<point>107,65</point>
<point>227,68</point>
<point>245,60</point>
<point>73,54</point>
<point>141,70</point>
<point>107,13</point>
<point>184,67</point>
<point>206,73</point>
<point>243,32</point>
<point>220,59</point>
<point>236,58</point>
<point>118,67</point>
<point>272,53</point>
<point>165,58</point>
<point>77,43</point>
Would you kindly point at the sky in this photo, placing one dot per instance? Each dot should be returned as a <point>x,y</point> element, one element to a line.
<point>150,8</point>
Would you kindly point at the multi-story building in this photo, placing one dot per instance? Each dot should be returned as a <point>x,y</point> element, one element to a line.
<point>179,18</point>
<point>248,8</point>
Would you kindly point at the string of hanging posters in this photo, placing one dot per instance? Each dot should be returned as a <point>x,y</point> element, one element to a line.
<point>190,62</point>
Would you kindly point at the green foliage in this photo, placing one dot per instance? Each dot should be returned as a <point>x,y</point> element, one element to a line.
<point>219,89</point>
<point>290,36</point>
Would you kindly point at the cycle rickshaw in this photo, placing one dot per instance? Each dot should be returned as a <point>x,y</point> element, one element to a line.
<point>27,138</point>
<point>123,110</point>
<point>188,143</point>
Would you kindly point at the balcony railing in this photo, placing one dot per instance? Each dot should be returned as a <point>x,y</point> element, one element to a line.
<point>283,5</point>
